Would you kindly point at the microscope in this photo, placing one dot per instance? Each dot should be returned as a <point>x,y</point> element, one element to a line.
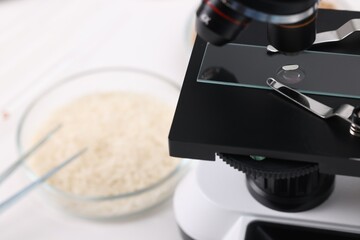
<point>270,102</point>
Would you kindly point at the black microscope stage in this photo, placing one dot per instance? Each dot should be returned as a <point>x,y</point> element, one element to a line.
<point>237,114</point>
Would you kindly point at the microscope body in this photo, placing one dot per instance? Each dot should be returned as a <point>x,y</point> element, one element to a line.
<point>213,202</point>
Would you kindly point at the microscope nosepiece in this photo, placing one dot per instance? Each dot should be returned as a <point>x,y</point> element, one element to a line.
<point>291,23</point>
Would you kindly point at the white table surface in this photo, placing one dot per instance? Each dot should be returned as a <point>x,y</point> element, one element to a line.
<point>42,41</point>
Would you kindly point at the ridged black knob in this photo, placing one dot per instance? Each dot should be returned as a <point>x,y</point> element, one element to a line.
<point>292,194</point>
<point>282,185</point>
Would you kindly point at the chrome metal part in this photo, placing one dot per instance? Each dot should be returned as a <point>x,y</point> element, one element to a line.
<point>355,130</point>
<point>355,119</point>
<point>271,49</point>
<point>344,111</point>
<point>337,35</point>
<point>332,36</point>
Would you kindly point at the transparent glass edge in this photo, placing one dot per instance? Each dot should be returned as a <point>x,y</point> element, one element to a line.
<point>268,88</point>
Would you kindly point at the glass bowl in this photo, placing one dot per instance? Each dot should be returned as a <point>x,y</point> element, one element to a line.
<point>100,81</point>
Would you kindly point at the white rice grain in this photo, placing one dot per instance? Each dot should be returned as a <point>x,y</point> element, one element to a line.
<point>126,136</point>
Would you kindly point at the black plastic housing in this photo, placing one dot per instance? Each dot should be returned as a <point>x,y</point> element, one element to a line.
<point>273,231</point>
<point>259,230</point>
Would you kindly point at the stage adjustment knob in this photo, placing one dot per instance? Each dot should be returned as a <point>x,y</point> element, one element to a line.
<point>288,186</point>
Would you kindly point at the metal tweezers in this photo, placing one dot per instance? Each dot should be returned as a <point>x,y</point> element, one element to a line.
<point>4,175</point>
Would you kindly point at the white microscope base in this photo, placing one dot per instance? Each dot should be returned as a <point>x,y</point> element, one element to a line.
<point>213,203</point>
